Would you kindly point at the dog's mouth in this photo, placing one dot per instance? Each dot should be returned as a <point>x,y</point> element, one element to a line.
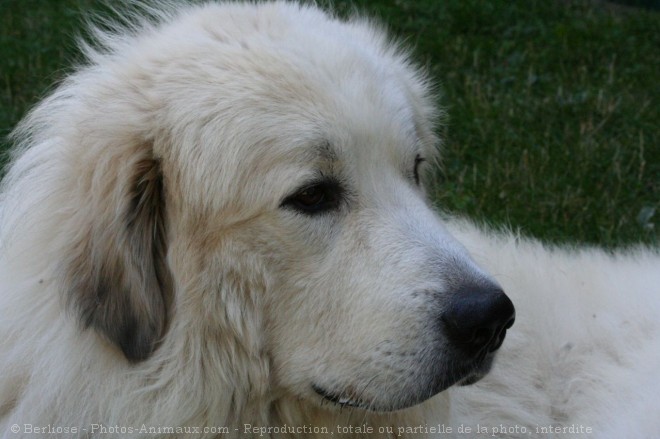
<point>341,399</point>
<point>471,379</point>
<point>459,376</point>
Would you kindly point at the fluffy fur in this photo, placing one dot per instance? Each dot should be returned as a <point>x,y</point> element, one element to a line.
<point>157,270</point>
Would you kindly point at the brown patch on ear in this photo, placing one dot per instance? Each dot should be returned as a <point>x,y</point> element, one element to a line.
<point>118,279</point>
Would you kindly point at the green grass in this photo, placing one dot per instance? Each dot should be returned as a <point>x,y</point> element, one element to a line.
<point>553,106</point>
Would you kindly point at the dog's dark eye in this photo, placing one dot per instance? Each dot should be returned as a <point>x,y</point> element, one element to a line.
<point>316,198</point>
<point>418,161</point>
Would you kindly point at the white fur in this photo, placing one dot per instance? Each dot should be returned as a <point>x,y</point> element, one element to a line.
<point>231,108</point>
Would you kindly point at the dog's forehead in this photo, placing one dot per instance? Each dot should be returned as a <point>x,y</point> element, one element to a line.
<point>324,88</point>
<point>289,92</point>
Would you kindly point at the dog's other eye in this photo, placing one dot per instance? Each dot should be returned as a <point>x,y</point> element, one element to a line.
<point>316,198</point>
<point>418,161</point>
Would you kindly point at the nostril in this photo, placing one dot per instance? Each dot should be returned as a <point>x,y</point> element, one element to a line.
<point>499,339</point>
<point>501,334</point>
<point>477,318</point>
<point>495,345</point>
<point>481,336</point>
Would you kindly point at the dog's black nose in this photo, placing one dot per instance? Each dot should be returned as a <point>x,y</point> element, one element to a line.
<point>477,318</point>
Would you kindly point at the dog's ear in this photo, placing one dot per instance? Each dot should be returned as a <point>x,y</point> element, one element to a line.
<point>117,276</point>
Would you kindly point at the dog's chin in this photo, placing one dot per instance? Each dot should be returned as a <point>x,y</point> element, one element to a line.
<point>464,376</point>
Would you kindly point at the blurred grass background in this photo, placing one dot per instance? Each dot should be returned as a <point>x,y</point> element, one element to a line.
<point>554,123</point>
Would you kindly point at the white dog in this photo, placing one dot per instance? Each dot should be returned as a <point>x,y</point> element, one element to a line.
<point>217,227</point>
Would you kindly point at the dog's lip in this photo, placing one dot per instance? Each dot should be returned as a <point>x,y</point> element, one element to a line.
<point>480,370</point>
<point>339,399</point>
<point>465,375</point>
<point>470,379</point>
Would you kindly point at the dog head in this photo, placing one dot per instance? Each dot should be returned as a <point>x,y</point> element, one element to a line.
<point>252,177</point>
